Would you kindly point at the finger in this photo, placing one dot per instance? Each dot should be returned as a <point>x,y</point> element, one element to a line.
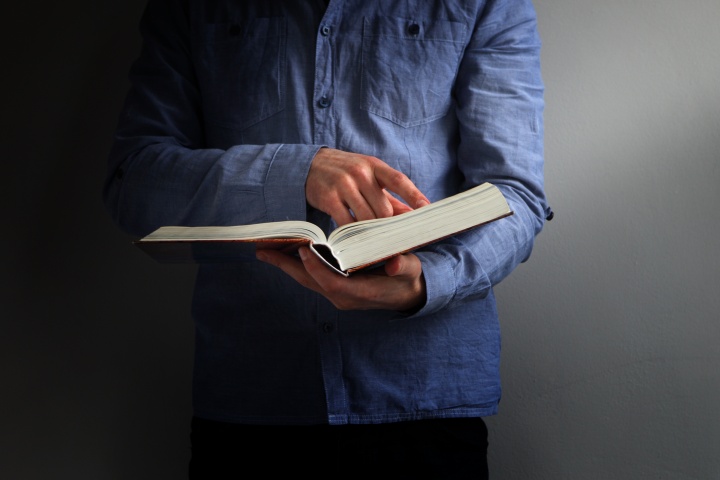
<point>360,207</point>
<point>338,209</point>
<point>377,199</point>
<point>363,194</point>
<point>403,266</point>
<point>347,204</point>
<point>386,206</point>
<point>322,276</point>
<point>397,206</point>
<point>398,182</point>
<point>342,215</point>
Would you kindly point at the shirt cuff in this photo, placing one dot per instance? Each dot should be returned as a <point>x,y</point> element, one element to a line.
<point>285,186</point>
<point>440,285</point>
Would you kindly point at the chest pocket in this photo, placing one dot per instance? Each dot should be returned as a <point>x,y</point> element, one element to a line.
<point>409,68</point>
<point>241,71</point>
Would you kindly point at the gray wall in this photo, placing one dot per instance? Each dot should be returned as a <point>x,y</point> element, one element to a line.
<point>611,358</point>
<point>611,353</point>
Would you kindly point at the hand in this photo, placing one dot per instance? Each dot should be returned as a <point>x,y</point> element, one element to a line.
<point>400,286</point>
<point>349,186</point>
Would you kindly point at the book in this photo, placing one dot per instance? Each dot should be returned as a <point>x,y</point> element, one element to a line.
<point>349,248</point>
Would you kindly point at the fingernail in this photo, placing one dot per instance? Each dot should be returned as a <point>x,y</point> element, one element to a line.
<point>303,253</point>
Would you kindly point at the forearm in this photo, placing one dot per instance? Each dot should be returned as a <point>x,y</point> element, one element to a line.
<point>165,184</point>
<point>500,115</point>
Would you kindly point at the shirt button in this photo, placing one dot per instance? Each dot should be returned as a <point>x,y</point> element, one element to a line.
<point>324,102</point>
<point>325,31</point>
<point>327,327</point>
<point>414,29</point>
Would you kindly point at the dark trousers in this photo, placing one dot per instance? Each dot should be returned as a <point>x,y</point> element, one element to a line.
<point>425,449</point>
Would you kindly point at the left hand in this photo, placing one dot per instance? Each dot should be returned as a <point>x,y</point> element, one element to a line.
<point>398,286</point>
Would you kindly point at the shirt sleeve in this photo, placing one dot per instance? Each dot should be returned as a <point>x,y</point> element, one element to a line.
<point>161,171</point>
<point>499,95</point>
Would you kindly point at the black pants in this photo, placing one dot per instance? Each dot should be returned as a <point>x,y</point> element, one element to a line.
<point>425,449</point>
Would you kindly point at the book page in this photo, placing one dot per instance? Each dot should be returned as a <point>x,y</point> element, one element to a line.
<point>287,229</point>
<point>363,242</point>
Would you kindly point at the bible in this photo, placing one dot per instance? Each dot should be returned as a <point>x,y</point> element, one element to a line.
<point>347,249</point>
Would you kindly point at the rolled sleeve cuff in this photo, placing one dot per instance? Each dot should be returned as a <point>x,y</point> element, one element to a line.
<point>440,285</point>
<point>285,185</point>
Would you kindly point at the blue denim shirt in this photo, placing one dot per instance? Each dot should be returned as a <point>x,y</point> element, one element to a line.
<point>229,103</point>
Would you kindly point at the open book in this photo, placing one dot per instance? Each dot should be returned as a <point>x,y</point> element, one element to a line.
<point>348,248</point>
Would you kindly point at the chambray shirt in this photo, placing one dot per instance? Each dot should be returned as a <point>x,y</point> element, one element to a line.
<point>229,103</point>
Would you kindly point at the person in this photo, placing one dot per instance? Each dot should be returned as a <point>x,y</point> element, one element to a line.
<point>332,112</point>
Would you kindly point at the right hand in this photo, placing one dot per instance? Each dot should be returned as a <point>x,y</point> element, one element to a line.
<point>399,286</point>
<point>350,186</point>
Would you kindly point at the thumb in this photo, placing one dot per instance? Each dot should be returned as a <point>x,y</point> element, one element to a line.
<point>403,265</point>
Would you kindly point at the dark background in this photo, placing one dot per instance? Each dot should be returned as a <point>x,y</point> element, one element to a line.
<point>96,342</point>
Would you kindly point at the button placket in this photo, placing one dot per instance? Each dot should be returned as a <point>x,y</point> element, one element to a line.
<point>323,84</point>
